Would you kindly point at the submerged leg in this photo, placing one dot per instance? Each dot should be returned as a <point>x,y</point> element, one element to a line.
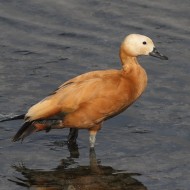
<point>72,137</point>
<point>74,150</point>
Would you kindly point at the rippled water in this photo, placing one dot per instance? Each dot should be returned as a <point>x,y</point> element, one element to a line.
<point>43,43</point>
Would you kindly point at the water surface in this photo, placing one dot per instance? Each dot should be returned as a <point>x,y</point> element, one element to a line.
<point>43,43</point>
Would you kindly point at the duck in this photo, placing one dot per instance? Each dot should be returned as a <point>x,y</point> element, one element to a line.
<point>87,100</point>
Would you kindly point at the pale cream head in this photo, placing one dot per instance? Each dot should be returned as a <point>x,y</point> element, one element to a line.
<point>136,44</point>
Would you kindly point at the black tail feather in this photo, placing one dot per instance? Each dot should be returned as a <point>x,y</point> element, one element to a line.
<point>37,125</point>
<point>14,118</point>
<point>24,131</point>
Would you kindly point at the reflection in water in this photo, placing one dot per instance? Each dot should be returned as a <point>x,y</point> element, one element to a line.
<point>67,177</point>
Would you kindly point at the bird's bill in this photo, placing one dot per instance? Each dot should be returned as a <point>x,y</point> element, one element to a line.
<point>156,53</point>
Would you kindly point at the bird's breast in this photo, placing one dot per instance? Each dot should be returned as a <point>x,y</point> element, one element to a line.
<point>134,83</point>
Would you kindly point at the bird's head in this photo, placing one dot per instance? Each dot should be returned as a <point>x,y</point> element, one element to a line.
<point>135,45</point>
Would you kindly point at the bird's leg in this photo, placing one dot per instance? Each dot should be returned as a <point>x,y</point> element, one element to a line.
<point>92,138</point>
<point>73,149</point>
<point>72,137</point>
<point>93,131</point>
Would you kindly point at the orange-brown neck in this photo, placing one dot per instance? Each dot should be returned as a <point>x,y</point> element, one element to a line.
<point>126,60</point>
<point>133,72</point>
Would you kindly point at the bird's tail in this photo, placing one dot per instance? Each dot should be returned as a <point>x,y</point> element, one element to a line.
<point>14,118</point>
<point>30,127</point>
<point>24,131</point>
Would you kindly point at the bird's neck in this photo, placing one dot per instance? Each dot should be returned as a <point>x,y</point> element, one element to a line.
<point>128,62</point>
<point>133,71</point>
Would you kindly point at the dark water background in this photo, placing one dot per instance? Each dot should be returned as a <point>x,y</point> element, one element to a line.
<point>45,42</point>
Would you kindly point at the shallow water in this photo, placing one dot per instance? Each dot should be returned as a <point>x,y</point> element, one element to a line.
<point>43,43</point>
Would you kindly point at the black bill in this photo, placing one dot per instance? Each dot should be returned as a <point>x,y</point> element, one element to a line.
<point>155,53</point>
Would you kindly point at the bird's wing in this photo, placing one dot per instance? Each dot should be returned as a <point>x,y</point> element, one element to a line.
<point>90,75</point>
<point>82,89</point>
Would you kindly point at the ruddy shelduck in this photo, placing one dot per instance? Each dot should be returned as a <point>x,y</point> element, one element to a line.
<point>87,100</point>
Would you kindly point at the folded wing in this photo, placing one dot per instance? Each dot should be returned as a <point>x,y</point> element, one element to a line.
<point>96,89</point>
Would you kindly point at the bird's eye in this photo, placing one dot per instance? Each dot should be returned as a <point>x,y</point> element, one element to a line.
<point>144,43</point>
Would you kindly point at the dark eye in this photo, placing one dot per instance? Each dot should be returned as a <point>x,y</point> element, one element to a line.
<point>144,43</point>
